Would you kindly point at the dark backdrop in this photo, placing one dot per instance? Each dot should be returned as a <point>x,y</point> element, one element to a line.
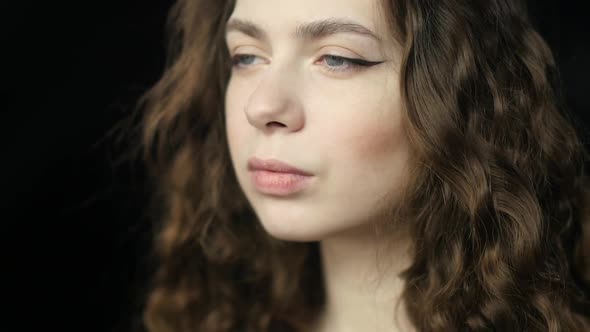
<point>73,251</point>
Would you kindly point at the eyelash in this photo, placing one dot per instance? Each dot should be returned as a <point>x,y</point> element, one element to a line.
<point>353,64</point>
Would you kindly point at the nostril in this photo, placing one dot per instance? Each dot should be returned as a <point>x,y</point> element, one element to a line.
<point>275,124</point>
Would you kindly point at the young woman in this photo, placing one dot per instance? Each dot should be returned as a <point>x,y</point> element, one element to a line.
<point>364,165</point>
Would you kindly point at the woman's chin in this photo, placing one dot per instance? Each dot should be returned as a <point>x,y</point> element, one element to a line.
<point>292,231</point>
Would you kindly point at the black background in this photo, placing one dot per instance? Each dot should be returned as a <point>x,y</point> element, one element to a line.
<point>73,251</point>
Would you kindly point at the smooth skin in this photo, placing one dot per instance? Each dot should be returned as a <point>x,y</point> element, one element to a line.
<point>293,97</point>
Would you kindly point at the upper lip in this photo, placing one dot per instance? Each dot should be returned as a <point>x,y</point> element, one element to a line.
<point>274,165</point>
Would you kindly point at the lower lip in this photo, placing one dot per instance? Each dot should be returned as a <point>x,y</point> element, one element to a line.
<point>277,183</point>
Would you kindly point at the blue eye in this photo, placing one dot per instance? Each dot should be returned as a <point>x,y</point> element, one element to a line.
<point>333,63</point>
<point>238,58</point>
<point>342,64</point>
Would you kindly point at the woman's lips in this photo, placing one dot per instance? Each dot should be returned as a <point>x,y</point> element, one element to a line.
<point>274,165</point>
<point>275,177</point>
<point>279,183</point>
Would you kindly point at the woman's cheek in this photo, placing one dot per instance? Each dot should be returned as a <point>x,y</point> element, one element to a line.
<point>371,137</point>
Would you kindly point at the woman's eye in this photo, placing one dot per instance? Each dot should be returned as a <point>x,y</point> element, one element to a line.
<point>336,63</point>
<point>332,63</point>
<point>243,60</point>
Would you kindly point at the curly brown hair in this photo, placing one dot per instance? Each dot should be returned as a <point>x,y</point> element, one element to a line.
<point>498,193</point>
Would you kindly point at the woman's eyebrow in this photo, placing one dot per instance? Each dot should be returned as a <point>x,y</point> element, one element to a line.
<point>311,30</point>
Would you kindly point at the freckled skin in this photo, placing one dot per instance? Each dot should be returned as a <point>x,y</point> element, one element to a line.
<point>345,128</point>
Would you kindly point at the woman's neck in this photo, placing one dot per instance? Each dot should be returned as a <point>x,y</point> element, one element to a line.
<point>362,283</point>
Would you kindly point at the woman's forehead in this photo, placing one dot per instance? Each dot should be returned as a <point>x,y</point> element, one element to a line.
<point>288,14</point>
<point>310,19</point>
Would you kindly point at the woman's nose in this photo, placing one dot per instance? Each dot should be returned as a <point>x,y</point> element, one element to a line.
<point>274,104</point>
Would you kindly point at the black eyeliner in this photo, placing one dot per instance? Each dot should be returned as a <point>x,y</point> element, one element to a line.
<point>364,62</point>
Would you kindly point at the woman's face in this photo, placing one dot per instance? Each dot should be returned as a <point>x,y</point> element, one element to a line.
<point>291,98</point>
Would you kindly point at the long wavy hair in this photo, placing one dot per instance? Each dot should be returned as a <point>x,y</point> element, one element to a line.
<point>498,196</point>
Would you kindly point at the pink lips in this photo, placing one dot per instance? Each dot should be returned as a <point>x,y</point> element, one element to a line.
<point>277,178</point>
